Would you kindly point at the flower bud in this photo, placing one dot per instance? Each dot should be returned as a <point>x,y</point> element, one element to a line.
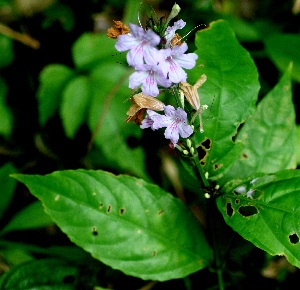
<point>175,11</point>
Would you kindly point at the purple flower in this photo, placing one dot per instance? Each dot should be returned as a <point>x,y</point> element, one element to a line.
<point>139,43</point>
<point>174,120</point>
<point>174,60</point>
<point>170,31</point>
<point>149,75</point>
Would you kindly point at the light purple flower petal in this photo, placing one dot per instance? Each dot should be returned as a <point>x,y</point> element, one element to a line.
<point>139,43</point>
<point>185,130</point>
<point>170,31</point>
<point>126,42</point>
<point>152,38</point>
<point>137,78</point>
<point>188,60</point>
<point>172,133</point>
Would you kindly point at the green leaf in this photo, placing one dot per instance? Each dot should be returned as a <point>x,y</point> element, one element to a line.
<point>99,211</point>
<point>270,219</point>
<point>75,100</point>
<point>46,274</point>
<point>92,49</point>
<point>270,136</point>
<point>53,79</point>
<point>8,186</point>
<point>283,49</point>
<point>298,145</point>
<point>59,12</point>
<point>6,118</point>
<point>230,92</point>
<point>6,48</point>
<point>107,114</point>
<point>31,217</point>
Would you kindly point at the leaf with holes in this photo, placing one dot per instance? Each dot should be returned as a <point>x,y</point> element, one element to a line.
<point>269,137</point>
<point>265,210</point>
<point>123,221</point>
<point>230,91</point>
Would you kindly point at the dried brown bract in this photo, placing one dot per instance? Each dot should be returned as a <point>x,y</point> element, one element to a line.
<point>141,102</point>
<point>176,40</point>
<point>191,92</point>
<point>118,29</point>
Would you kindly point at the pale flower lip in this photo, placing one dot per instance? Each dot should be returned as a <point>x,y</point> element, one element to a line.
<point>191,92</point>
<point>141,102</point>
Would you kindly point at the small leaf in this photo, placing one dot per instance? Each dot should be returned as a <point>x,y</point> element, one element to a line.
<point>106,119</point>
<point>90,50</point>
<point>53,79</point>
<point>75,99</point>
<point>8,186</point>
<point>6,117</point>
<point>269,137</point>
<point>100,211</point>
<point>31,217</point>
<point>6,48</point>
<point>265,210</point>
<point>230,92</point>
<point>283,49</point>
<point>41,274</point>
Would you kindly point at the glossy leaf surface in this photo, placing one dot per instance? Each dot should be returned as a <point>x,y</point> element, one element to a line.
<point>230,92</point>
<point>123,221</point>
<point>269,137</point>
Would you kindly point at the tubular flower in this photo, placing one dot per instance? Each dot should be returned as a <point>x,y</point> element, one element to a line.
<point>170,31</point>
<point>140,44</point>
<point>174,60</point>
<point>150,76</point>
<point>141,102</point>
<point>174,120</point>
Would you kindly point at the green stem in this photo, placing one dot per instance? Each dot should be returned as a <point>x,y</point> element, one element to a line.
<point>198,165</point>
<point>177,98</point>
<point>220,279</point>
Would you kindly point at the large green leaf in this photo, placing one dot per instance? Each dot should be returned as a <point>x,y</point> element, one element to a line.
<point>107,115</point>
<point>269,137</point>
<point>47,274</point>
<point>7,187</point>
<point>53,79</point>
<point>75,99</point>
<point>266,211</point>
<point>230,92</point>
<point>283,49</point>
<point>123,221</point>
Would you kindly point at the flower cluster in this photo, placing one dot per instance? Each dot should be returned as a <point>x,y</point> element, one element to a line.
<point>159,59</point>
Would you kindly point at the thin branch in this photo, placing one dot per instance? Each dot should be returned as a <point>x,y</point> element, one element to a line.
<point>106,105</point>
<point>23,38</point>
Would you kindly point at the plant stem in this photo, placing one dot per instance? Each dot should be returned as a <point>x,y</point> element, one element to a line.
<point>198,165</point>
<point>220,279</point>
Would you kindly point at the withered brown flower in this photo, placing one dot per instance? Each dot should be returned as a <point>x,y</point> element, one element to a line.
<point>141,102</point>
<point>118,29</point>
<point>191,92</point>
